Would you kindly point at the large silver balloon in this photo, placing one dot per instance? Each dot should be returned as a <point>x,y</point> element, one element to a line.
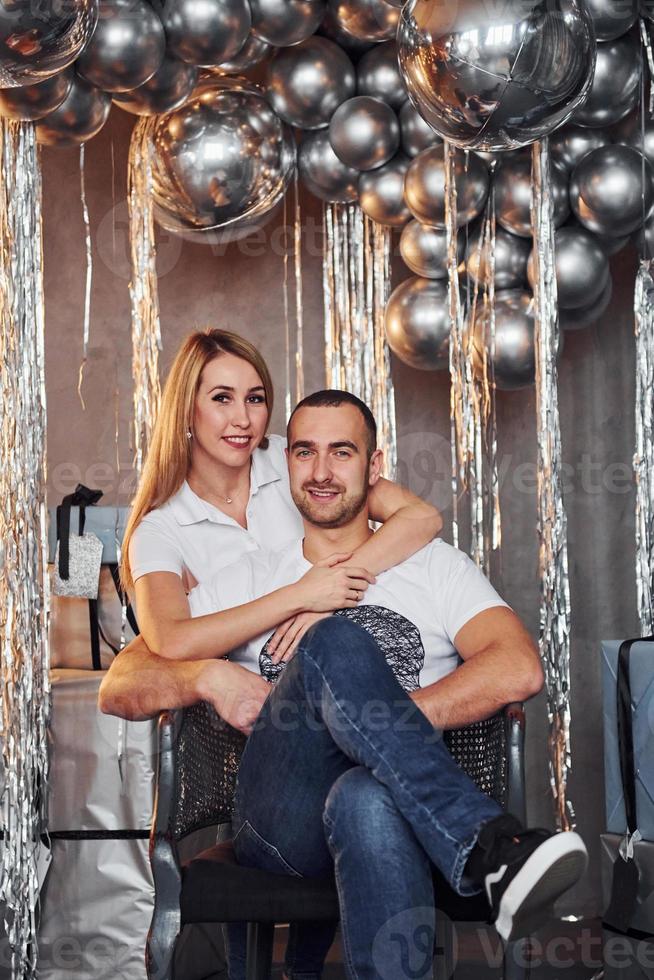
<point>285,22</point>
<point>364,133</point>
<point>378,74</point>
<point>366,20</point>
<point>127,46</point>
<point>582,268</point>
<point>35,101</point>
<point>616,83</point>
<point>496,76</point>
<point>424,188</point>
<point>417,323</point>
<point>514,360</point>
<point>206,32</point>
<point>424,249</point>
<point>381,193</point>
<point>632,131</point>
<point>253,52</point>
<point>607,192</point>
<point>416,134</point>
<point>322,171</point>
<point>571,143</point>
<point>39,40</point>
<point>308,82</point>
<point>513,188</point>
<point>80,116</point>
<point>331,28</point>
<point>612,18</point>
<point>234,231</point>
<point>511,254</point>
<point>169,88</point>
<point>585,316</point>
<point>221,159</point>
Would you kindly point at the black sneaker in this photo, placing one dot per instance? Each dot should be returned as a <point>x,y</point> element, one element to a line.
<point>531,869</point>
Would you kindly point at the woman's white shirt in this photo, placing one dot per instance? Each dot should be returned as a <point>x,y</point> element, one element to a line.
<point>188,532</point>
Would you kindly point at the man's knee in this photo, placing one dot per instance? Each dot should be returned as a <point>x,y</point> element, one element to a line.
<point>361,805</point>
<point>338,638</point>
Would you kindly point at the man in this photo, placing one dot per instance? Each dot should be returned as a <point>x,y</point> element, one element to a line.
<point>345,763</point>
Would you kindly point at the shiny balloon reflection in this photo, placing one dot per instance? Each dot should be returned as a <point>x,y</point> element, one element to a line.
<point>37,41</point>
<point>417,323</point>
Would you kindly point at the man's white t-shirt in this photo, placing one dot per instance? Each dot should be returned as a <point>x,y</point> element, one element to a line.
<point>414,610</point>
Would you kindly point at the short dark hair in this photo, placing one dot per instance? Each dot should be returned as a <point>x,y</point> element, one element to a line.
<point>332,398</point>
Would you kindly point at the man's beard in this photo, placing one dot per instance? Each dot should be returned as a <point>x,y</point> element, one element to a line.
<point>342,513</point>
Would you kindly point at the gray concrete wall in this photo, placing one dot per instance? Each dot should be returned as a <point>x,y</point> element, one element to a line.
<point>242,289</point>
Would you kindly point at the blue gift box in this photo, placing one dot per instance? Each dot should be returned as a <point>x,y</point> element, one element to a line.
<point>641,674</point>
<point>107,523</point>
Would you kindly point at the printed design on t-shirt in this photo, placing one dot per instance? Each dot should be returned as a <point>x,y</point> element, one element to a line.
<point>396,636</point>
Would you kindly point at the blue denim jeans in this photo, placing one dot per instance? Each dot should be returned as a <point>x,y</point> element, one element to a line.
<point>344,772</point>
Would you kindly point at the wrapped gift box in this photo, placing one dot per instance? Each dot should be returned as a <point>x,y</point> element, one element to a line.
<point>641,672</point>
<point>643,918</point>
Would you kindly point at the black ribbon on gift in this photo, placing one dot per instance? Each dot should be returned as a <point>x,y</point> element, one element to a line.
<point>82,497</point>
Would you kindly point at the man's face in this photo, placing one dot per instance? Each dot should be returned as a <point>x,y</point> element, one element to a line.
<point>328,464</point>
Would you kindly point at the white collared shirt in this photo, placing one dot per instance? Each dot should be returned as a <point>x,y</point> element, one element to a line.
<point>188,532</point>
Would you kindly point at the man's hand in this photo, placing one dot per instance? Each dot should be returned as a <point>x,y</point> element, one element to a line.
<point>236,693</point>
<point>284,641</point>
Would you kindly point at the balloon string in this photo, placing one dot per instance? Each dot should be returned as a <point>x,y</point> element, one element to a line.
<point>89,272</point>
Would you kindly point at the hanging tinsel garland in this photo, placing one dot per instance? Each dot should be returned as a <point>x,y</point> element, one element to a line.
<point>552,520</point>
<point>644,455</point>
<point>24,596</point>
<point>356,286</point>
<point>146,331</point>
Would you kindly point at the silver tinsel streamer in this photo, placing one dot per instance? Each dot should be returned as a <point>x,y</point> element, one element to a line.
<point>146,331</point>
<point>356,286</point>
<point>287,320</point>
<point>552,521</point>
<point>299,306</point>
<point>644,455</point>
<point>24,597</point>
<point>89,270</point>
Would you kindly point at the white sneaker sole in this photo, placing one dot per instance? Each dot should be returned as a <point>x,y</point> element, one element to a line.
<point>553,867</point>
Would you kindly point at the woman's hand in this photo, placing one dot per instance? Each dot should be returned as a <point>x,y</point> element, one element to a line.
<point>283,643</point>
<point>236,693</point>
<point>330,584</point>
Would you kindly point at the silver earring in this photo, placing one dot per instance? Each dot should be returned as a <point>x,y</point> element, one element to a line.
<point>189,434</point>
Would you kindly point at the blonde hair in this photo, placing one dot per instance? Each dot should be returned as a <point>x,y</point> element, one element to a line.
<point>169,454</point>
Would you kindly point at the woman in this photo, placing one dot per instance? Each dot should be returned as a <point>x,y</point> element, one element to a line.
<point>215,486</point>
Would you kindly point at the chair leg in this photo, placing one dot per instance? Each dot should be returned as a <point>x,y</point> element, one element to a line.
<point>517,960</point>
<point>259,950</point>
<point>444,947</point>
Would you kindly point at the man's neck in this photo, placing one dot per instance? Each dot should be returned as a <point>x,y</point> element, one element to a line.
<point>320,542</point>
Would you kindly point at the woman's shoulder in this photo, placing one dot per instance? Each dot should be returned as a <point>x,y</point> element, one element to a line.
<point>275,453</point>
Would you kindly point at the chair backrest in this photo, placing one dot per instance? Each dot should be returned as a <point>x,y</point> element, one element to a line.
<point>480,750</point>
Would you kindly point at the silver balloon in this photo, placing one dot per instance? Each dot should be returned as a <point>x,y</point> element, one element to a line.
<point>366,20</point>
<point>424,249</point>
<point>35,101</point>
<point>630,132</point>
<point>322,171</point>
<point>643,238</point>
<point>616,83</point>
<point>223,158</point>
<point>585,316</point>
<point>381,193</point>
<point>235,231</point>
<point>607,191</point>
<point>80,116</point>
<point>611,19</point>
<point>308,82</point>
<point>285,22</point>
<point>513,195</point>
<point>170,86</point>
<point>331,29</point>
<point>378,74</point>
<point>39,40</point>
<point>514,360</point>
<point>582,268</point>
<point>424,188</point>
<point>127,46</point>
<point>511,254</point>
<point>570,144</point>
<point>417,323</point>
<point>496,76</point>
<point>253,52</point>
<point>364,133</point>
<point>611,246</point>
<point>206,32</point>
<point>416,134</point>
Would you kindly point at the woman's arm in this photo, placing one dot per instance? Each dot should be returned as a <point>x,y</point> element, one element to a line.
<point>409,524</point>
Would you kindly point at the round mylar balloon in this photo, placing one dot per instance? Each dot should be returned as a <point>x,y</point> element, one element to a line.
<point>381,193</point>
<point>80,116</point>
<point>206,32</point>
<point>378,74</point>
<point>223,157</point>
<point>285,22</point>
<point>366,20</point>
<point>511,254</point>
<point>514,360</point>
<point>308,82</point>
<point>424,249</point>
<point>127,46</point>
<point>417,323</point>
<point>607,192</point>
<point>513,194</point>
<point>424,187</point>
<point>35,101</point>
<point>169,88</point>
<point>496,76</point>
<point>323,173</point>
<point>616,83</point>
<point>364,132</point>
<point>38,40</point>
<point>416,134</point>
<point>582,268</point>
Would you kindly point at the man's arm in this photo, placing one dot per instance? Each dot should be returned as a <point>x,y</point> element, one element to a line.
<point>500,664</point>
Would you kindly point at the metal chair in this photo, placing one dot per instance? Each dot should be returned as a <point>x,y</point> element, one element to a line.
<point>197,767</point>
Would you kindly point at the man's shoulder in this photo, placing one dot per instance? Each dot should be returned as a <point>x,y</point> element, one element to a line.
<point>437,554</point>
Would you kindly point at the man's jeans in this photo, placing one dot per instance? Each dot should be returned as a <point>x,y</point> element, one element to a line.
<point>344,771</point>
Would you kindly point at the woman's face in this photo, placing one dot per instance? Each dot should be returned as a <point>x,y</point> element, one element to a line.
<point>230,414</point>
